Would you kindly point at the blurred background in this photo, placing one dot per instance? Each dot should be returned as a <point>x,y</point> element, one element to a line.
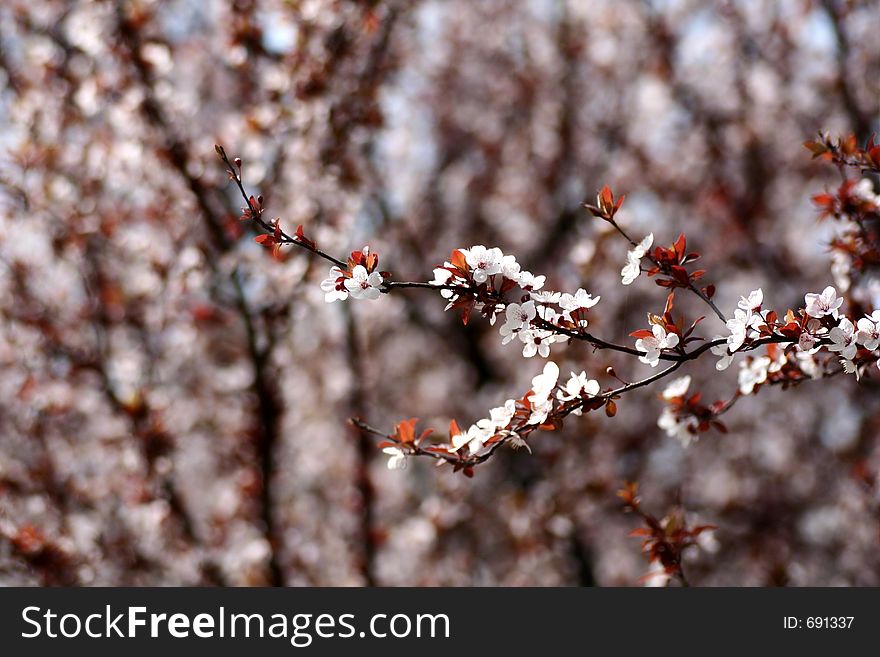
<point>173,402</point>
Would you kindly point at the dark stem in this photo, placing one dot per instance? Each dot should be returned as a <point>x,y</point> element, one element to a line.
<point>693,288</point>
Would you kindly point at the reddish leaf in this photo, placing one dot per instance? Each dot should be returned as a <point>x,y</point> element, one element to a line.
<point>680,246</point>
<point>680,274</point>
<point>405,430</point>
<point>606,197</point>
<point>302,239</point>
<point>458,260</point>
<point>815,148</point>
<point>610,408</point>
<point>629,493</point>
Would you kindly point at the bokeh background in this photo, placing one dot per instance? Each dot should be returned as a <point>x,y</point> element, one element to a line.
<point>173,402</point>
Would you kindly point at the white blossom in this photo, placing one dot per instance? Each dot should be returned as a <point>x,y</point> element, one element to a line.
<point>475,437</point>
<point>501,416</point>
<point>478,435</point>
<point>675,427</point>
<point>362,285</point>
<point>677,388</point>
<point>542,388</point>
<point>752,303</point>
<point>778,360</point>
<point>753,373</point>
<point>545,296</point>
<point>519,317</point>
<point>510,268</point>
<point>739,326</point>
<point>630,271</point>
<point>483,262</point>
<point>540,410</point>
<point>680,428</point>
<point>443,277</point>
<point>652,346</point>
<point>826,303</point>
<point>843,339</point>
<point>576,386</point>
<point>328,285</point>
<point>633,266</point>
<point>840,270</point>
<point>538,341</point>
<point>807,342</point>
<point>486,428</point>
<point>573,302</point>
<point>459,440</point>
<point>724,352</point>
<point>543,383</point>
<point>527,279</point>
<point>869,331</point>
<point>864,191</point>
<point>808,365</point>
<point>396,458</point>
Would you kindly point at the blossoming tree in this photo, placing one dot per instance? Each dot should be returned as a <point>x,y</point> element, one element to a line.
<point>814,341</point>
<point>175,396</point>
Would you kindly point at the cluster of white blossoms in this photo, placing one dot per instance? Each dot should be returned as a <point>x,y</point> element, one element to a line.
<point>482,263</point>
<point>358,284</point>
<point>542,399</point>
<point>519,325</point>
<point>746,320</point>
<point>576,387</point>
<point>542,402</point>
<point>843,339</point>
<point>755,371</point>
<point>633,266</point>
<point>479,433</point>
<point>846,337</point>
<point>522,321</point>
<point>682,428</point>
<point>655,344</point>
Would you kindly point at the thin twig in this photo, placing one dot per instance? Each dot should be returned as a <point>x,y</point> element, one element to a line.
<point>257,215</point>
<point>693,288</point>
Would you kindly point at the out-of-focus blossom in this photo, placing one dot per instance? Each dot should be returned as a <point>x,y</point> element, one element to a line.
<point>396,458</point>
